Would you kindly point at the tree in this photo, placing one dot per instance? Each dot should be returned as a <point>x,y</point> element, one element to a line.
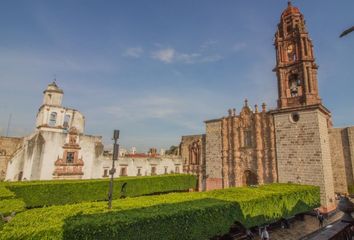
<point>349,30</point>
<point>172,151</point>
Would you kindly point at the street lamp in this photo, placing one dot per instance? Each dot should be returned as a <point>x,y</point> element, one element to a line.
<point>113,170</point>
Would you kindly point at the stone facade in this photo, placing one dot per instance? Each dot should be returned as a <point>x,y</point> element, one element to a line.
<point>303,149</point>
<point>239,149</point>
<point>193,155</point>
<point>213,168</point>
<point>342,156</point>
<point>293,143</point>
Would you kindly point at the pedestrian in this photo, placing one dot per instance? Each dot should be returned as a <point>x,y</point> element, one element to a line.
<point>265,234</point>
<point>320,218</point>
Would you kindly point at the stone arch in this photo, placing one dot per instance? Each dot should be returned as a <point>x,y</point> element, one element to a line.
<point>294,83</point>
<point>250,178</point>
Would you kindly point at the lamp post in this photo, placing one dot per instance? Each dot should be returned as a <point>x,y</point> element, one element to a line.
<point>113,170</point>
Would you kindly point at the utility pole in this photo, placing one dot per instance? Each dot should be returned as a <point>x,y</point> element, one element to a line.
<point>113,170</point>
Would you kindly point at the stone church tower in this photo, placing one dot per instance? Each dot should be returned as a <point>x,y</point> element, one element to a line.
<point>294,143</point>
<point>301,121</point>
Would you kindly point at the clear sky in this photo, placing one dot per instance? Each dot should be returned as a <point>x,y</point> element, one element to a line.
<point>157,69</point>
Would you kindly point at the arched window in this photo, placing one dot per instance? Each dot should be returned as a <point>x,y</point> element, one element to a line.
<point>52,119</point>
<point>294,83</point>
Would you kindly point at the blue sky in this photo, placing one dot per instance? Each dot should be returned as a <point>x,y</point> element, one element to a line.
<point>157,69</point>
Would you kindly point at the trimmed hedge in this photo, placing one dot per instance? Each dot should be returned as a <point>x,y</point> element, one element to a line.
<point>7,206</point>
<point>60,192</point>
<point>198,219</point>
<point>5,193</point>
<point>198,215</point>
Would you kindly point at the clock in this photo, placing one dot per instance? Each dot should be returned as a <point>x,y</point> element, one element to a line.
<point>290,48</point>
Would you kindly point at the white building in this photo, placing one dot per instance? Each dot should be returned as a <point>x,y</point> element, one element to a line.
<point>141,164</point>
<point>59,149</point>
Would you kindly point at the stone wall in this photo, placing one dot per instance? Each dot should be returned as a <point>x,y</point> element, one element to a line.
<point>351,146</point>
<point>192,150</point>
<point>213,155</point>
<point>341,158</point>
<point>186,143</point>
<point>240,149</point>
<point>8,146</point>
<point>303,152</point>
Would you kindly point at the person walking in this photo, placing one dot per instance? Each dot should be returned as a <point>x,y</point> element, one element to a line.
<point>265,234</point>
<point>320,218</point>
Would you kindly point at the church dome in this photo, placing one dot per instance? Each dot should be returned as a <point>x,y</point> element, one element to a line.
<point>290,10</point>
<point>53,87</point>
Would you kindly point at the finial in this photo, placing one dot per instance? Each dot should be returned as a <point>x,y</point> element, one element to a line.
<point>264,107</point>
<point>234,111</point>
<point>246,102</point>
<point>289,3</point>
<point>256,108</point>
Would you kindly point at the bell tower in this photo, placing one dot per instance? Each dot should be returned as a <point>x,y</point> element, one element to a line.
<point>295,62</point>
<point>301,122</point>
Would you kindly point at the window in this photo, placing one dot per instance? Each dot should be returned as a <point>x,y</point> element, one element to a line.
<point>247,141</point>
<point>153,170</point>
<point>294,83</point>
<point>294,117</point>
<point>177,169</point>
<point>166,170</point>
<point>105,173</point>
<point>70,157</point>
<point>52,119</point>
<point>289,28</point>
<point>66,121</point>
<point>123,171</point>
<point>139,172</point>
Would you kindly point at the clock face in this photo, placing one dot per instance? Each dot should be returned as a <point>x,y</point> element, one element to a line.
<point>290,48</point>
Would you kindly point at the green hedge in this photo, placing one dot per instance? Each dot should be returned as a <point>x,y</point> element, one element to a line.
<point>59,192</point>
<point>7,206</point>
<point>5,193</point>
<point>199,215</point>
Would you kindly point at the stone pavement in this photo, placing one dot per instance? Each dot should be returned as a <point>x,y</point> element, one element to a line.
<point>299,229</point>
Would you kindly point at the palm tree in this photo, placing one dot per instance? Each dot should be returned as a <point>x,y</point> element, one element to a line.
<point>349,30</point>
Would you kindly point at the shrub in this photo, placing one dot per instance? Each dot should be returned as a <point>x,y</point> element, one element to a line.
<point>5,193</point>
<point>198,219</point>
<point>7,206</point>
<point>46,193</point>
<point>198,215</point>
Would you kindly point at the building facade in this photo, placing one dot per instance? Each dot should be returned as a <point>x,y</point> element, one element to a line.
<point>295,142</point>
<point>60,149</point>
